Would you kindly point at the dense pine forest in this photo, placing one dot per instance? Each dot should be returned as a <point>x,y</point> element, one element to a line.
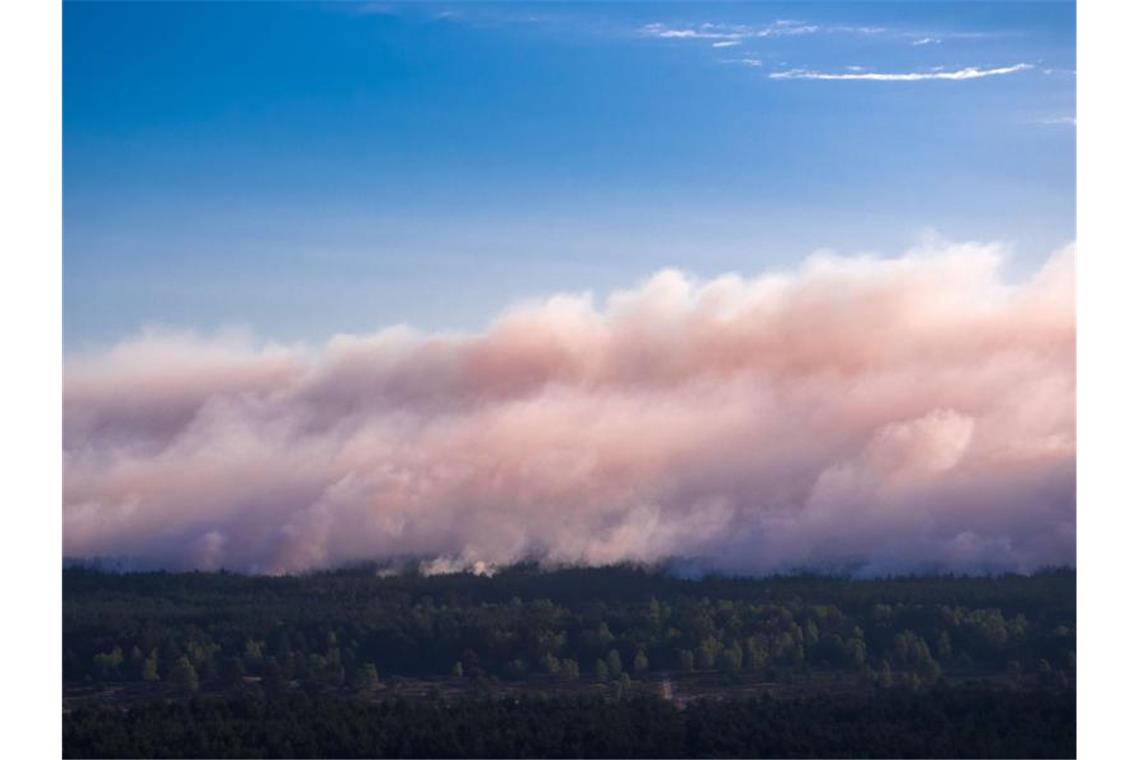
<point>573,662</point>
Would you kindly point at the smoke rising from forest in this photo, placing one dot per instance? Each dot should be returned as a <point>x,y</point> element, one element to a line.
<point>881,414</point>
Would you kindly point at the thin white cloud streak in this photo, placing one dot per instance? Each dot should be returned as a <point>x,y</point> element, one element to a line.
<point>728,32</point>
<point>915,76</point>
<point>861,30</point>
<point>740,32</point>
<point>891,414</point>
<point>726,43</point>
<point>753,62</point>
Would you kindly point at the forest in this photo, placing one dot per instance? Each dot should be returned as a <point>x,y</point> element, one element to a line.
<point>574,661</point>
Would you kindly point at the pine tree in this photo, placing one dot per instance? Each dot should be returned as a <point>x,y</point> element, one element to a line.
<point>150,667</point>
<point>613,662</point>
<point>183,676</point>
<point>366,678</point>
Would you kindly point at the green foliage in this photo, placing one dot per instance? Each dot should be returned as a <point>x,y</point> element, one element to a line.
<point>656,612</point>
<point>183,677</point>
<point>366,678</point>
<point>516,668</point>
<point>551,664</point>
<point>886,675</point>
<point>731,658</point>
<point>891,723</point>
<point>312,631</point>
<point>707,652</point>
<point>755,653</point>
<point>278,651</point>
<point>912,652</point>
<point>108,666</point>
<point>149,670</point>
<point>945,649</point>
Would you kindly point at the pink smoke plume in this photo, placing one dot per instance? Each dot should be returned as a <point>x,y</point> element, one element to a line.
<point>877,414</point>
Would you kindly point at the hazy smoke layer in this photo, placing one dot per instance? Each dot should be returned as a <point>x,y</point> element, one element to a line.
<point>911,413</point>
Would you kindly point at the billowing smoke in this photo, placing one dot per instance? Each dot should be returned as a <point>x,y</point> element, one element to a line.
<point>872,414</point>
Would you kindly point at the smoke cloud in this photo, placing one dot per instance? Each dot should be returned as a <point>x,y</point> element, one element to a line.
<point>875,415</point>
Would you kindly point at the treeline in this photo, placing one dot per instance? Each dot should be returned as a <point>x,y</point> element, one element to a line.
<point>892,723</point>
<point>351,630</point>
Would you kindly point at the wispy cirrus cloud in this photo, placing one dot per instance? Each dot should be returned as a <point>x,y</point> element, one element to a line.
<point>728,32</point>
<point>969,72</point>
<point>856,29</point>
<point>752,62</point>
<point>727,35</point>
<point>740,32</point>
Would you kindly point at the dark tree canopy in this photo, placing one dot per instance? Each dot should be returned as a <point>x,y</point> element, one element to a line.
<point>358,645</point>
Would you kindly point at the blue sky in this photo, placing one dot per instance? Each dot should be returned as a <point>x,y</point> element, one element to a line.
<point>309,169</point>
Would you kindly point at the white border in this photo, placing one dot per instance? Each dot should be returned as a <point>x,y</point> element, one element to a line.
<point>1108,374</point>
<point>30,395</point>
